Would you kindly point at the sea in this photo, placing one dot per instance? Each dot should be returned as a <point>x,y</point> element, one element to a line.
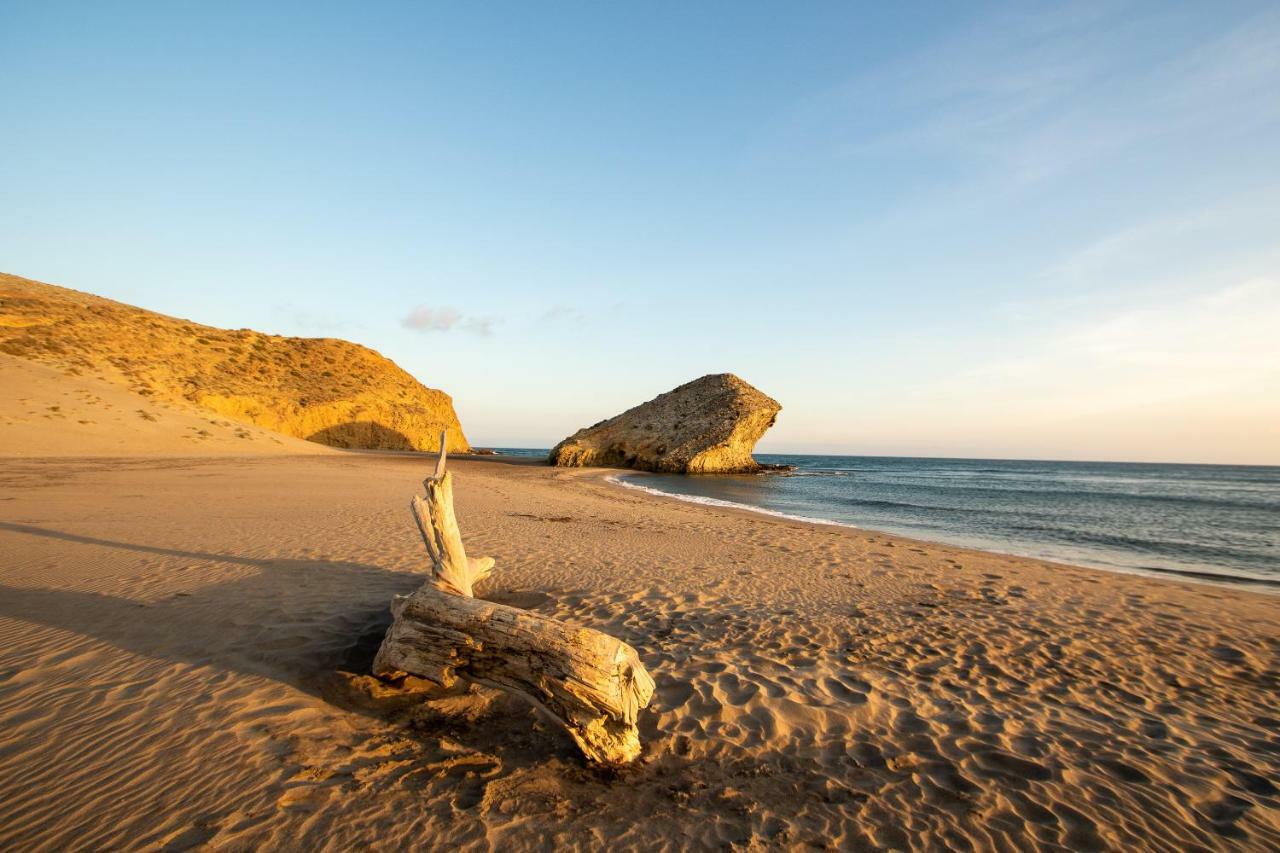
<point>1205,522</point>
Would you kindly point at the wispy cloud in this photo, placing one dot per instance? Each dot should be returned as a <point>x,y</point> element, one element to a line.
<point>1027,97</point>
<point>1211,232</point>
<point>309,321</point>
<point>446,319</point>
<point>557,313</point>
<point>563,313</point>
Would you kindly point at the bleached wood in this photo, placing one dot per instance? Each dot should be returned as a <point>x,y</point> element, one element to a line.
<point>444,453</point>
<point>452,570</point>
<point>480,568</point>
<point>593,684</point>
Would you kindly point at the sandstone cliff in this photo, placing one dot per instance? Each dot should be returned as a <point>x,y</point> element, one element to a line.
<point>322,389</point>
<point>709,425</point>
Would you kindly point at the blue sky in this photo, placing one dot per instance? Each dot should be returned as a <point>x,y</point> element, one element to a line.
<point>1031,230</point>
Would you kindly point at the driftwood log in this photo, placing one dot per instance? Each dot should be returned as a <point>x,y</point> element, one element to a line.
<point>592,684</point>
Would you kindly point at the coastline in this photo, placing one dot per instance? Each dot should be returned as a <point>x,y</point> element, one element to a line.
<point>623,479</point>
<point>204,624</point>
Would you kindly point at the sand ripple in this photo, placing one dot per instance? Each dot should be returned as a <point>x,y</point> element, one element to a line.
<point>182,649</point>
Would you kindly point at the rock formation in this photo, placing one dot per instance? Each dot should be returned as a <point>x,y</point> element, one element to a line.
<point>326,390</point>
<point>706,426</point>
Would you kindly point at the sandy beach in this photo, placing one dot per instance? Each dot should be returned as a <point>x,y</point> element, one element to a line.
<point>595,427</point>
<point>185,641</point>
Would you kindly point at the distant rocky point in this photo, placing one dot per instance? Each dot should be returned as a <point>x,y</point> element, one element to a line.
<point>323,389</point>
<point>707,426</point>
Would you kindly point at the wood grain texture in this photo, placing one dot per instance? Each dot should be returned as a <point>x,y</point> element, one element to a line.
<point>591,683</point>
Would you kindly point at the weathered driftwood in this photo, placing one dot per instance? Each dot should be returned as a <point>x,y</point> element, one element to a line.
<point>452,570</point>
<point>593,684</point>
<point>590,682</point>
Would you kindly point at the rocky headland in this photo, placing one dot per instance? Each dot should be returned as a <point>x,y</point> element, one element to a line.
<point>707,426</point>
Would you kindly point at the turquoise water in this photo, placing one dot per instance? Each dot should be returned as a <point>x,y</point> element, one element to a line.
<point>1206,521</point>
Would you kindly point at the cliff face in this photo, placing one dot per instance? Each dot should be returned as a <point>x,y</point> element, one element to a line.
<point>706,426</point>
<point>322,389</point>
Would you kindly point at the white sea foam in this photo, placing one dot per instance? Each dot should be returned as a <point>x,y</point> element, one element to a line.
<point>698,499</point>
<point>1265,584</point>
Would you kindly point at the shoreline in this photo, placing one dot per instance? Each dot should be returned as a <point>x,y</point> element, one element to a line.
<point>1261,585</point>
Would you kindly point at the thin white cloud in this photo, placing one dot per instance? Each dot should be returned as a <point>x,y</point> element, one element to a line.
<point>309,321</point>
<point>424,319</point>
<point>1021,98</point>
<point>446,319</point>
<point>562,313</point>
<point>557,313</point>
<point>482,326</point>
<point>1208,231</point>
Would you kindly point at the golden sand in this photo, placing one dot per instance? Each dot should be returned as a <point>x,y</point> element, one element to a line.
<point>183,642</point>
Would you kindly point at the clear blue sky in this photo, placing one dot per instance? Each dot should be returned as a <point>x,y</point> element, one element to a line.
<point>1033,230</point>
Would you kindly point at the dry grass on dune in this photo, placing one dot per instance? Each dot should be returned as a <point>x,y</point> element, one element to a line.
<point>322,389</point>
<point>181,673</point>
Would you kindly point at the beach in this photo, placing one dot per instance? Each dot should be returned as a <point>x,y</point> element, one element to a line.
<point>185,643</point>
<point>725,427</point>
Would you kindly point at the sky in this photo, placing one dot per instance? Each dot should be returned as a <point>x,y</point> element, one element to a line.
<point>1025,230</point>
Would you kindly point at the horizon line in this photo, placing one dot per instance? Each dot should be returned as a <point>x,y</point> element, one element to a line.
<point>963,458</point>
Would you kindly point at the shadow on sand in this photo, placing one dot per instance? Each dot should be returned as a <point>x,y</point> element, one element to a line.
<point>365,435</point>
<point>311,624</point>
<point>299,622</point>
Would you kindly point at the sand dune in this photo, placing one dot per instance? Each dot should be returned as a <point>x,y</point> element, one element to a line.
<point>51,411</point>
<point>183,642</point>
<point>325,390</point>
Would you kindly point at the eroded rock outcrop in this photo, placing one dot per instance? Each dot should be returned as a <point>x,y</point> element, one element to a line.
<point>707,426</point>
<point>323,389</point>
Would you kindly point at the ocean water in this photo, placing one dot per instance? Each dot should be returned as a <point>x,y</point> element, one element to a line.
<point>1202,521</point>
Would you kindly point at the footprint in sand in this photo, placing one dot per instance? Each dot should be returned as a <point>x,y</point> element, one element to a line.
<point>469,793</point>
<point>910,723</point>
<point>1227,654</point>
<point>672,694</point>
<point>737,692</point>
<point>846,692</point>
<point>305,797</point>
